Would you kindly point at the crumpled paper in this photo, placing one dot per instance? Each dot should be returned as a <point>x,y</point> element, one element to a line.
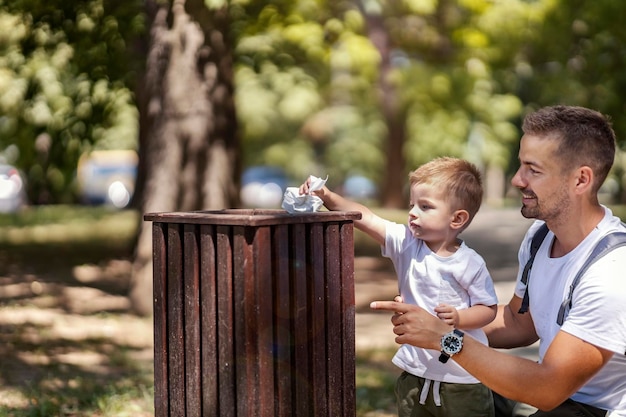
<point>293,202</point>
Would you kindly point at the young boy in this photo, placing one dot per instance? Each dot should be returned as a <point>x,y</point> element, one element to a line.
<point>439,273</point>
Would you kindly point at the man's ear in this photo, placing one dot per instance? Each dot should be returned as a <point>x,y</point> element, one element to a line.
<point>584,179</point>
<point>459,219</point>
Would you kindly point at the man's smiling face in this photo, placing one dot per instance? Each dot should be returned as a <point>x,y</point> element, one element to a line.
<point>541,178</point>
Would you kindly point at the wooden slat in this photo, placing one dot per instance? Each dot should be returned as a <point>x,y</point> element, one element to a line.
<point>192,321</point>
<point>262,287</point>
<point>317,319</point>
<point>334,319</point>
<point>225,324</point>
<point>299,305</point>
<point>175,320</point>
<point>244,303</point>
<point>159,288</point>
<point>283,323</point>
<point>348,320</point>
<point>208,312</point>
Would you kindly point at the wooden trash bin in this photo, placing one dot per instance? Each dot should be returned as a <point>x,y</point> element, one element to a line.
<point>254,313</point>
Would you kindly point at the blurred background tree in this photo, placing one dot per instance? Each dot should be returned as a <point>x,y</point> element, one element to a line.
<point>189,148</point>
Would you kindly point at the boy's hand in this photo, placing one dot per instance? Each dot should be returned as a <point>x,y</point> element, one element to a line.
<point>448,314</point>
<point>305,188</point>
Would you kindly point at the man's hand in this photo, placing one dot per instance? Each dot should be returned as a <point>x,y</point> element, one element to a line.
<point>414,325</point>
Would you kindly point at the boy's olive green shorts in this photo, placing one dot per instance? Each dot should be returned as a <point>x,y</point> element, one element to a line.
<point>456,400</point>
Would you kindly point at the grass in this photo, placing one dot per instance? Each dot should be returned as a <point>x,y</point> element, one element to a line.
<point>57,361</point>
<point>375,382</point>
<point>68,226</point>
<point>124,398</point>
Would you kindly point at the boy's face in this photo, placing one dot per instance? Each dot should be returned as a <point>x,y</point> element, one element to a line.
<point>430,215</point>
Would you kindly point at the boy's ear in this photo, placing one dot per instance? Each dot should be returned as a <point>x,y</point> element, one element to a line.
<point>459,219</point>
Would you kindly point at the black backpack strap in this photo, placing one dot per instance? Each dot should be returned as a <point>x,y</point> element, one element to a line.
<point>535,243</point>
<point>605,245</point>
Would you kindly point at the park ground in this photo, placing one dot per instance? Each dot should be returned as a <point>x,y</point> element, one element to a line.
<point>69,345</point>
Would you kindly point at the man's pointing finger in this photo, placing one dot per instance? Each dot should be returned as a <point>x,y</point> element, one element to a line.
<point>393,306</point>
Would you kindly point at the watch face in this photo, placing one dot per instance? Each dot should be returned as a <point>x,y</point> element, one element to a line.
<point>451,344</point>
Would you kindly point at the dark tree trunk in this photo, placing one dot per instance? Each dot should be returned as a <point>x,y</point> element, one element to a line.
<point>396,176</point>
<point>188,142</point>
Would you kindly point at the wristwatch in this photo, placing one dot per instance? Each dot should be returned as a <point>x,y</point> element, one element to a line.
<point>451,344</point>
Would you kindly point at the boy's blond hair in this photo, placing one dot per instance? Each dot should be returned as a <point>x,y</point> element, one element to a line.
<point>459,180</point>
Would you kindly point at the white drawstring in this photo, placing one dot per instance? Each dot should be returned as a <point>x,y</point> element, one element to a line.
<point>436,395</point>
<point>424,392</point>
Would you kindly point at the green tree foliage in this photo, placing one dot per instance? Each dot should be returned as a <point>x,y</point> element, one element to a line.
<point>66,73</point>
<point>304,87</point>
<point>451,60</point>
<point>576,55</point>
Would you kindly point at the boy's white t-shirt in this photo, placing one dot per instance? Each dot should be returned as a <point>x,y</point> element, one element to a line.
<point>427,280</point>
<point>598,313</point>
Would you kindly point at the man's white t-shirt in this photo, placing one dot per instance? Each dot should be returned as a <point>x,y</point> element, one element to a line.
<point>598,313</point>
<point>427,280</point>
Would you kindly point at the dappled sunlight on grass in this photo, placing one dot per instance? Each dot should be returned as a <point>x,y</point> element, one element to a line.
<point>57,363</point>
<point>69,345</point>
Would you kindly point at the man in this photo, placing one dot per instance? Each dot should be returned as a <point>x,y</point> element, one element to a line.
<point>565,155</point>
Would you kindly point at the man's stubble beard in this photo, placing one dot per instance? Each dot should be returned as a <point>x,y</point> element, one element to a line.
<point>555,211</point>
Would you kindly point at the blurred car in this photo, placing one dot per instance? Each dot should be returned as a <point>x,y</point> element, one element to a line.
<point>107,177</point>
<point>358,187</point>
<point>263,186</point>
<point>12,189</point>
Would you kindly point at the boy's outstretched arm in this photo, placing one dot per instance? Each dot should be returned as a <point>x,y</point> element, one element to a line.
<point>369,223</point>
